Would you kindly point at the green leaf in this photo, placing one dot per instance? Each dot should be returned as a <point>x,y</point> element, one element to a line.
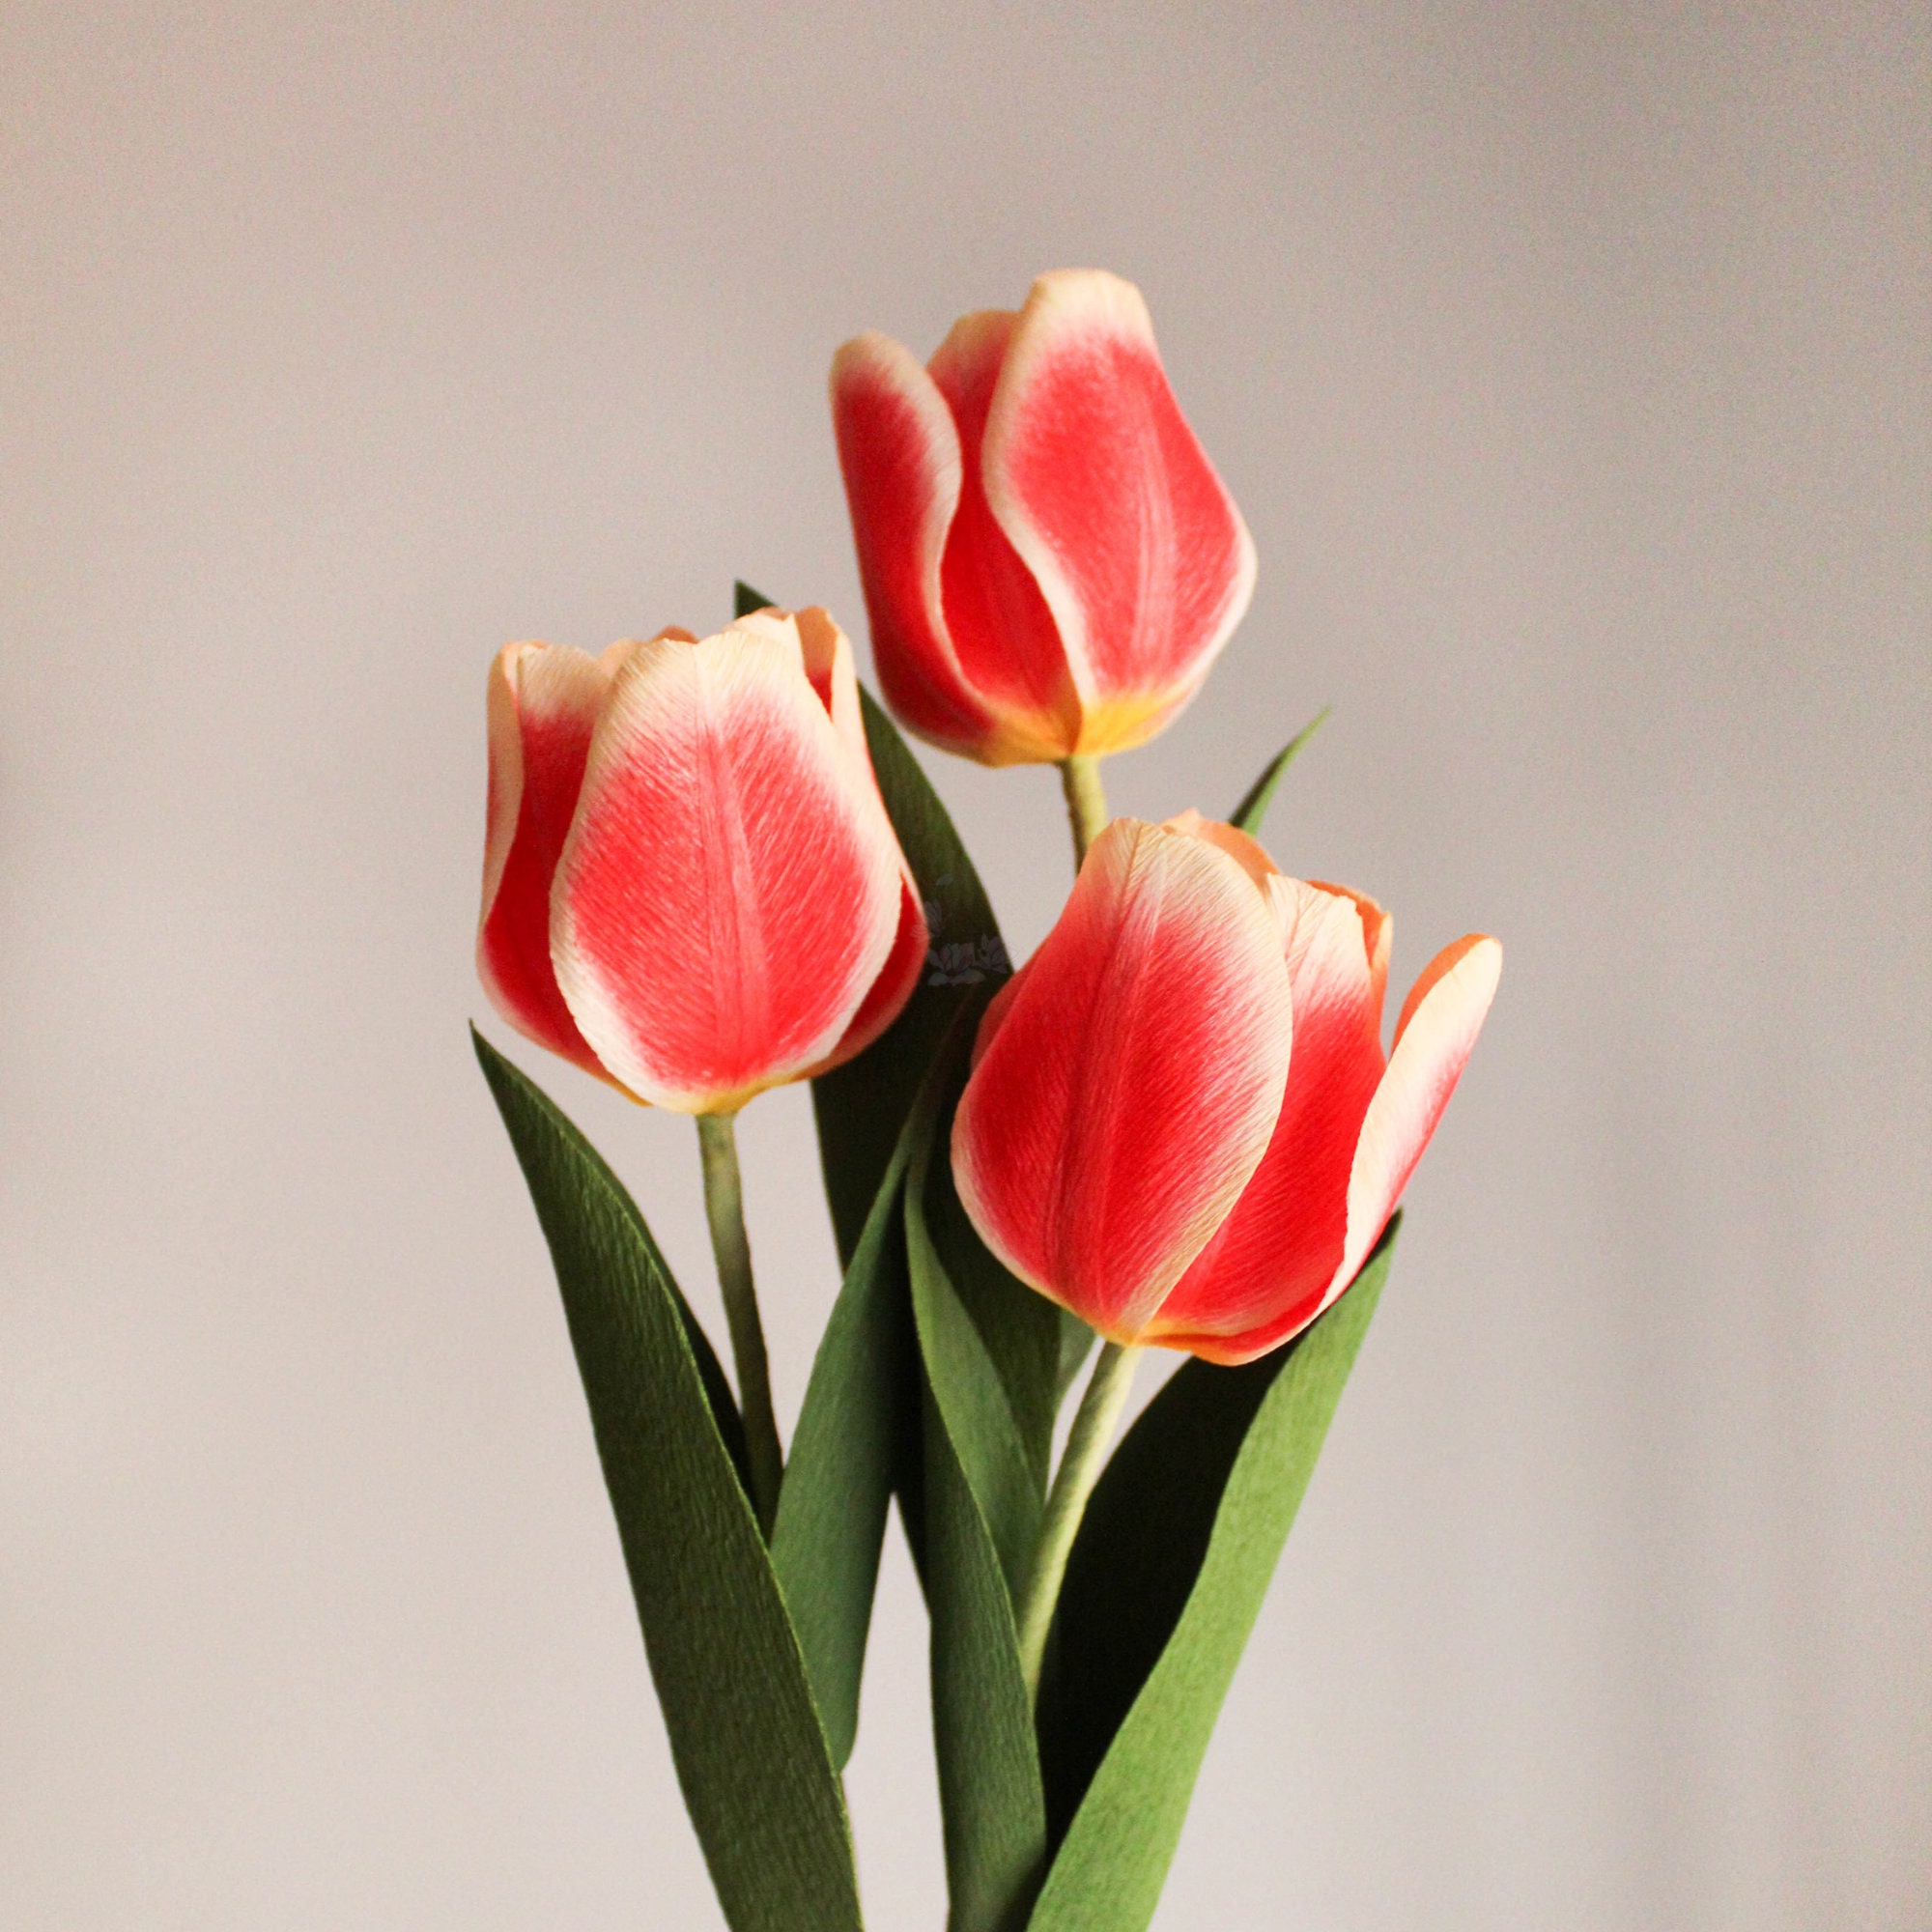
<point>1036,1347</point>
<point>981,1516</point>
<point>752,1758</point>
<point>861,1406</point>
<point>744,599</point>
<point>1164,1585</point>
<point>966,1382</point>
<point>1253,809</point>
<point>861,1105</point>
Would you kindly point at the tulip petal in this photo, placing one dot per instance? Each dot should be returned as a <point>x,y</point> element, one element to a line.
<point>1434,1038</point>
<point>1007,645</point>
<point>830,668</point>
<point>1278,1249</point>
<point>731,889</point>
<point>1133,1080</point>
<point>1094,476</point>
<point>543,701</point>
<point>899,454</point>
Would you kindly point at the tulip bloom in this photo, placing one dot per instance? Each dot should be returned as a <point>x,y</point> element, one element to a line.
<point>689,886</point>
<point>1050,562</point>
<point>1180,1124</point>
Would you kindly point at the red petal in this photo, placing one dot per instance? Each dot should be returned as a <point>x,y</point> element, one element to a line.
<point>899,454</point>
<point>1278,1250</point>
<point>1131,1085</point>
<point>1096,477</point>
<point>890,990</point>
<point>732,890</point>
<point>1434,1040</point>
<point>543,701</point>
<point>1007,647</point>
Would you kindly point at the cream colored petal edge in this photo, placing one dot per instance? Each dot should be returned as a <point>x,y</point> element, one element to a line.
<point>1429,1057</point>
<point>1063,300</point>
<point>1060,300</point>
<point>556,680</point>
<point>878,358</point>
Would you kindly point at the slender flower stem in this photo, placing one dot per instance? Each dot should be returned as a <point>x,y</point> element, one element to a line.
<point>1066,1503</point>
<point>724,1208</point>
<point>1086,802</point>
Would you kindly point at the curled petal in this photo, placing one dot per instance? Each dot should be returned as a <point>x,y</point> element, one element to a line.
<point>1278,1250</point>
<point>899,454</point>
<point>731,889</point>
<point>1132,1081</point>
<point>1434,1038</point>
<point>1006,643</point>
<point>543,705</point>
<point>1099,484</point>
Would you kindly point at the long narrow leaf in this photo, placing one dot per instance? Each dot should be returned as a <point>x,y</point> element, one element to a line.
<point>1253,809</point>
<point>1166,1579</point>
<point>982,1514</point>
<point>752,1758</point>
<point>861,1406</point>
<point>861,1106</point>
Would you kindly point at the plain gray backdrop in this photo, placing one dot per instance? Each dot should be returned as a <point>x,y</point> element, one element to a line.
<point>1570,363</point>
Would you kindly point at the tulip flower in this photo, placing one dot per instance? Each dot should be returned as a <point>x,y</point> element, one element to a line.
<point>1180,1124</point>
<point>689,886</point>
<point>1050,562</point>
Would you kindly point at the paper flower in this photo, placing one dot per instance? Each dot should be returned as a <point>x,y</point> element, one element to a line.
<point>1050,562</point>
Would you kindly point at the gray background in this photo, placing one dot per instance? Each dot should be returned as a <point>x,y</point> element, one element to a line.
<point>1570,363</point>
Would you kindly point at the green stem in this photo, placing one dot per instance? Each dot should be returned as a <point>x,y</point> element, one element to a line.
<point>724,1210</point>
<point>1086,802</point>
<point>1066,1503</point>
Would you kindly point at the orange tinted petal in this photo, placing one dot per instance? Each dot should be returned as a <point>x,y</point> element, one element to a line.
<point>1436,1034</point>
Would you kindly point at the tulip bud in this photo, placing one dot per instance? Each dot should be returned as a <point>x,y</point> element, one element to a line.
<point>1144,1142</point>
<point>690,886</point>
<point>1050,562</point>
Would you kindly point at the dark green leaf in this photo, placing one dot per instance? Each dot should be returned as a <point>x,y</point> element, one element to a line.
<point>981,1514</point>
<point>1035,1347</point>
<point>1164,1585</point>
<point>751,1756</point>
<point>744,599</point>
<point>861,1406</point>
<point>972,1396</point>
<point>1253,809</point>
<point>861,1105</point>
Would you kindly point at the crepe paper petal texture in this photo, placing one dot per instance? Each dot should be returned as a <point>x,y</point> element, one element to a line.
<point>1090,1177</point>
<point>730,894</point>
<point>690,885</point>
<point>1050,562</point>
<point>543,706</point>
<point>1131,1083</point>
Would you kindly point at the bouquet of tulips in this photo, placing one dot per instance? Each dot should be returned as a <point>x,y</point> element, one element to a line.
<point>713,866</point>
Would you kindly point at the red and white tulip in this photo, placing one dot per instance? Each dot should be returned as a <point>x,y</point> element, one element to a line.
<point>1180,1124</point>
<point>690,886</point>
<point>1050,562</point>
